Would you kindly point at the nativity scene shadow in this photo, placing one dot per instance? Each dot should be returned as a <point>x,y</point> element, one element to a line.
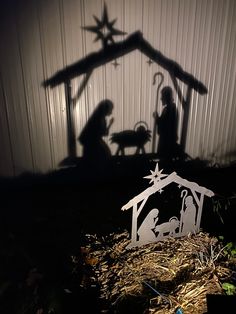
<point>96,153</point>
<point>166,125</point>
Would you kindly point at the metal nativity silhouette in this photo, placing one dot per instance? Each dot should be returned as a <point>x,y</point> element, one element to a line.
<point>187,220</point>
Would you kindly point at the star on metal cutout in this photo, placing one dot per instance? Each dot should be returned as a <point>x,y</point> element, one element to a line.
<point>156,175</point>
<point>104,29</point>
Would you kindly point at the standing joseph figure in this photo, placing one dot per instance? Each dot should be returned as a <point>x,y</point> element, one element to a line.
<point>188,216</point>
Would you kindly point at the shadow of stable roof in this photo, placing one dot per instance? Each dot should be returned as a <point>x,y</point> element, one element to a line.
<point>119,49</point>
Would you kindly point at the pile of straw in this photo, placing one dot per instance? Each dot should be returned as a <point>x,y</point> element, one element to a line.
<point>159,277</point>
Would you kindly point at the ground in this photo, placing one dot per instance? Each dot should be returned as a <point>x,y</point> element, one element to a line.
<point>161,277</point>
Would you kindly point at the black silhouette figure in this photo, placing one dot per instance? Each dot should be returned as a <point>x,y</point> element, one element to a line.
<point>132,138</point>
<point>94,147</point>
<point>167,125</point>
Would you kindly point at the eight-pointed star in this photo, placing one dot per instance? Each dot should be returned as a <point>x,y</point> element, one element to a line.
<point>104,29</point>
<point>155,175</point>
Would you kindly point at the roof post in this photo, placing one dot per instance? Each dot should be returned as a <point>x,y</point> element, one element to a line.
<point>186,109</point>
<point>134,224</point>
<point>199,214</point>
<point>70,121</point>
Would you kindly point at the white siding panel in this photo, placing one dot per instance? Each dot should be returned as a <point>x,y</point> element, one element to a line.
<point>43,37</point>
<point>33,75</point>
<point>15,95</point>
<point>6,158</point>
<point>54,60</point>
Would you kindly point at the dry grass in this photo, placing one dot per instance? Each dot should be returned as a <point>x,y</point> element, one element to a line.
<point>164,275</point>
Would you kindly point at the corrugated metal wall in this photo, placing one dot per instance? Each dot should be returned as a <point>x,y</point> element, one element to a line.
<point>39,38</point>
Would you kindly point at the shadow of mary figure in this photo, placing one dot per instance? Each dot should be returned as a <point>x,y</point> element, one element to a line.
<point>95,150</point>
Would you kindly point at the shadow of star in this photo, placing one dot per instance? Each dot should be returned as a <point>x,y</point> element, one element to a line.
<point>104,29</point>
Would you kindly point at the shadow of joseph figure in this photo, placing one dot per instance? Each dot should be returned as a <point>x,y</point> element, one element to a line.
<point>167,126</point>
